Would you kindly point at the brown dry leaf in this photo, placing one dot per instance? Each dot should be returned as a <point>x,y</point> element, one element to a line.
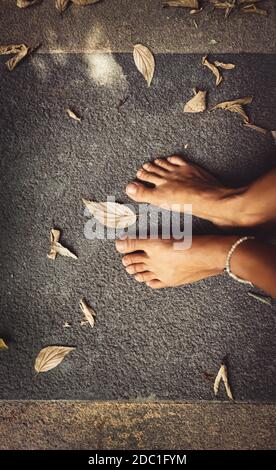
<point>61,5</point>
<point>222,375</point>
<point>255,128</point>
<point>50,357</point>
<point>20,51</point>
<point>57,248</point>
<point>194,12</point>
<point>89,313</point>
<point>197,104</point>
<point>67,325</point>
<point>144,62</point>
<point>235,106</point>
<point>182,3</point>
<point>73,115</point>
<point>10,49</point>
<point>26,3</point>
<point>253,9</point>
<point>111,214</point>
<point>213,68</point>
<point>223,5</point>
<point>84,2</point>
<point>3,345</point>
<point>222,65</point>
<point>273,133</point>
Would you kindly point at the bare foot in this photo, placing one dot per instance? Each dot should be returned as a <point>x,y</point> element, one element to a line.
<point>159,263</point>
<point>176,183</point>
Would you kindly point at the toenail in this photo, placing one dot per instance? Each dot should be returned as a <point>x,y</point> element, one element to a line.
<point>120,245</point>
<point>124,261</point>
<point>129,270</point>
<point>146,166</point>
<point>131,188</point>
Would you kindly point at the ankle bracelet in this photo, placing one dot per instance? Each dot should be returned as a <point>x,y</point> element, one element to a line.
<point>228,260</point>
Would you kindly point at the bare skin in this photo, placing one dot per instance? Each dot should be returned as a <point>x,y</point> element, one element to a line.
<point>177,182</point>
<point>159,263</point>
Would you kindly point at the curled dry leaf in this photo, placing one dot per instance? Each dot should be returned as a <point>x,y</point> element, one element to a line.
<point>222,65</point>
<point>144,62</point>
<point>3,345</point>
<point>61,5</point>
<point>255,128</point>
<point>73,115</point>
<point>20,51</point>
<point>253,9</point>
<point>50,357</point>
<point>89,313</point>
<point>57,248</point>
<point>235,106</point>
<point>223,5</point>
<point>222,375</point>
<point>26,3</point>
<point>10,49</point>
<point>194,12</point>
<point>182,3</point>
<point>214,69</point>
<point>197,104</point>
<point>273,133</point>
<point>111,214</point>
<point>67,325</point>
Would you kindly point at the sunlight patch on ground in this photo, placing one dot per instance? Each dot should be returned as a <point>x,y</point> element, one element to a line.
<point>104,70</point>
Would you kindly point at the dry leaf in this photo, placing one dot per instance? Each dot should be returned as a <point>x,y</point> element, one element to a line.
<point>182,3</point>
<point>10,49</point>
<point>61,5</point>
<point>26,3</point>
<point>213,42</point>
<point>111,214</point>
<point>194,12</point>
<point>67,325</point>
<point>84,2</point>
<point>195,23</point>
<point>50,357</point>
<point>89,313</point>
<point>235,106</point>
<point>144,62</point>
<point>213,68</point>
<point>255,128</point>
<point>20,52</point>
<point>222,374</point>
<point>253,9</point>
<point>58,248</point>
<point>3,345</point>
<point>223,5</point>
<point>197,104</point>
<point>84,322</point>
<point>72,115</point>
<point>273,133</point>
<point>222,65</point>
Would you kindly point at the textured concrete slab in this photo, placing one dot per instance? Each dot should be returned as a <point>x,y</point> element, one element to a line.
<point>158,344</point>
<point>84,425</point>
<point>115,25</point>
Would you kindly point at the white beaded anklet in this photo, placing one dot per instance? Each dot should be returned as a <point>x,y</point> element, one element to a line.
<point>228,261</point>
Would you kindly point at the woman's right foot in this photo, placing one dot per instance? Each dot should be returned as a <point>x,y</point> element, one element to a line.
<point>176,183</point>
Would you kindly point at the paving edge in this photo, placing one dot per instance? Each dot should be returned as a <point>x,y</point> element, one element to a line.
<point>124,425</point>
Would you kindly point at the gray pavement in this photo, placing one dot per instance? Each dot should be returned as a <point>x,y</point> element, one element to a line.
<point>151,344</point>
<point>115,25</point>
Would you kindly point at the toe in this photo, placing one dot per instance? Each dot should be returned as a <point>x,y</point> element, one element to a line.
<point>131,244</point>
<point>136,268</point>
<point>138,192</point>
<point>177,160</point>
<point>145,276</point>
<point>164,164</point>
<point>149,177</point>
<point>156,284</point>
<point>133,258</point>
<point>152,168</point>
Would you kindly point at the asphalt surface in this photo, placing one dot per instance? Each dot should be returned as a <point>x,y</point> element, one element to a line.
<point>115,25</point>
<point>156,344</point>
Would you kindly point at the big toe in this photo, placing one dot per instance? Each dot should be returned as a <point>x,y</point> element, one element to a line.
<point>138,192</point>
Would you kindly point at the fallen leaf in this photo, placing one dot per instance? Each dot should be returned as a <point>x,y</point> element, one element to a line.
<point>26,3</point>
<point>273,133</point>
<point>194,12</point>
<point>235,106</point>
<point>255,128</point>
<point>222,375</point>
<point>213,42</point>
<point>144,62</point>
<point>111,214</point>
<point>67,325</point>
<point>61,5</point>
<point>84,2</point>
<point>182,3</point>
<point>186,146</point>
<point>73,115</point>
<point>214,69</point>
<point>222,65</point>
<point>89,313</point>
<point>223,5</point>
<point>20,51</point>
<point>58,248</point>
<point>261,298</point>
<point>197,104</point>
<point>253,9</point>
<point>3,345</point>
<point>195,23</point>
<point>10,49</point>
<point>84,322</point>
<point>50,357</point>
